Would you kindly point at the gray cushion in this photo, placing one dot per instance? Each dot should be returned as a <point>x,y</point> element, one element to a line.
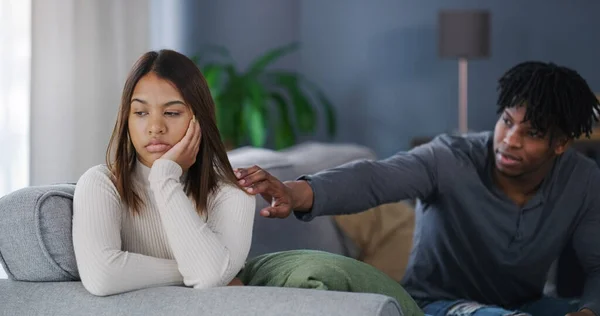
<point>70,298</point>
<point>36,242</point>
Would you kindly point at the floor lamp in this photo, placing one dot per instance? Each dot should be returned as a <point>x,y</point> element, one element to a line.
<point>465,35</point>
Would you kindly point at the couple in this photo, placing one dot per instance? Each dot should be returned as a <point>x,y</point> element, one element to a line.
<point>495,209</point>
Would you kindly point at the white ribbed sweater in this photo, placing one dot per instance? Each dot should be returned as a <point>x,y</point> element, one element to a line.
<point>168,243</point>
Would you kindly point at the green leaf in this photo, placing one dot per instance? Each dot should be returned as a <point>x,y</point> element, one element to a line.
<point>213,73</point>
<point>284,131</point>
<point>259,65</point>
<point>305,114</point>
<point>225,116</point>
<point>229,105</point>
<point>258,101</point>
<point>258,94</point>
<point>256,124</point>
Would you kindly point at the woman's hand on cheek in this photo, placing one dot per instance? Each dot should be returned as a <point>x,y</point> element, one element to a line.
<point>185,151</point>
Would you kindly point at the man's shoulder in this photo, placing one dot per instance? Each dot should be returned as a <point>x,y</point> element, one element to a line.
<point>575,164</point>
<point>473,146</point>
<point>576,176</point>
<point>470,140</point>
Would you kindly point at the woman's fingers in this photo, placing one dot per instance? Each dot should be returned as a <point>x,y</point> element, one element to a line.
<point>189,134</point>
<point>195,142</point>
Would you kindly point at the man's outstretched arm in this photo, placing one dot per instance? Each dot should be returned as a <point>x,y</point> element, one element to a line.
<point>350,188</point>
<point>361,185</point>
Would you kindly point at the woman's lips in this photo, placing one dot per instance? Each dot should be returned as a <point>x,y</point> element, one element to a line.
<point>157,147</point>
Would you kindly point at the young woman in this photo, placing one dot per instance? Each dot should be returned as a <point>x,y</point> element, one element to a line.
<point>166,208</point>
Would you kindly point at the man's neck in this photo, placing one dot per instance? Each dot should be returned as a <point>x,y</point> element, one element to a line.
<point>521,189</point>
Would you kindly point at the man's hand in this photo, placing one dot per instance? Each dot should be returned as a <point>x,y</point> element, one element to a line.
<point>583,312</point>
<point>257,181</point>
<point>185,151</point>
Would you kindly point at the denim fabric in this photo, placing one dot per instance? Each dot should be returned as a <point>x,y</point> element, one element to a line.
<point>546,306</point>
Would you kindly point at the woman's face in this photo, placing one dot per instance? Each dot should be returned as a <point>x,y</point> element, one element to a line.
<point>158,118</point>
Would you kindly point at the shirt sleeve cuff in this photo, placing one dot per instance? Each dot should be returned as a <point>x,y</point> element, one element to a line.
<point>593,306</point>
<point>316,209</point>
<point>164,169</point>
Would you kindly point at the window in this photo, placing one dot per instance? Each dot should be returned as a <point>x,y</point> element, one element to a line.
<point>15,65</point>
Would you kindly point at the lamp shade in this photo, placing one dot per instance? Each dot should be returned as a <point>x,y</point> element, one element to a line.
<point>464,33</point>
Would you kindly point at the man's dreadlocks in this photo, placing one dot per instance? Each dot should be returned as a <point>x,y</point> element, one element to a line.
<point>557,98</point>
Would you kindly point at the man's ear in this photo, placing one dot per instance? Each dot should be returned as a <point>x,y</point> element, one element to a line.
<point>561,145</point>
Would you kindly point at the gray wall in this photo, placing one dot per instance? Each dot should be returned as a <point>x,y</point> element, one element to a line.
<point>377,59</point>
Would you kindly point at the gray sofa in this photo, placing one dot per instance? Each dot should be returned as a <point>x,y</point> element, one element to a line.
<point>35,246</point>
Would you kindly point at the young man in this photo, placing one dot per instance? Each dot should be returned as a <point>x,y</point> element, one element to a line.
<point>496,209</point>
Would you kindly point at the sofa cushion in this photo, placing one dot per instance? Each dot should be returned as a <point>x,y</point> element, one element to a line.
<point>383,235</point>
<point>35,243</point>
<point>324,271</point>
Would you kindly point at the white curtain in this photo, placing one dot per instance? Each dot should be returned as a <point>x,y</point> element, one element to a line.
<point>15,60</point>
<point>81,53</point>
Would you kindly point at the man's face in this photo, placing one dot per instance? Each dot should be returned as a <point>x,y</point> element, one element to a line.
<point>518,148</point>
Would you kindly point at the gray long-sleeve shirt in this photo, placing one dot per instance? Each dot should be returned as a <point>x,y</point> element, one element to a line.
<point>472,242</point>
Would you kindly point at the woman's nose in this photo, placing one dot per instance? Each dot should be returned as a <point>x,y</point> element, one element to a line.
<point>156,126</point>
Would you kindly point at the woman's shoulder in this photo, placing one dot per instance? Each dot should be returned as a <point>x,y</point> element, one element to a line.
<point>227,192</point>
<point>97,173</point>
<point>98,178</point>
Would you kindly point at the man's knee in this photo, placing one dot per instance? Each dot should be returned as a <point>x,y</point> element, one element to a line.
<point>477,309</point>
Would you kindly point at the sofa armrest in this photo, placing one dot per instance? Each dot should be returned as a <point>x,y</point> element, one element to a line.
<point>70,298</point>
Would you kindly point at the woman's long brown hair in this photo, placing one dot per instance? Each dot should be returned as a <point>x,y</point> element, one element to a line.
<point>212,165</point>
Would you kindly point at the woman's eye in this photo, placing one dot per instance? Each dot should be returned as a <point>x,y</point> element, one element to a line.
<point>171,113</point>
<point>140,113</point>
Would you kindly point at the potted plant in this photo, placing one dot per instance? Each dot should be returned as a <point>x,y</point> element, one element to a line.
<point>257,103</point>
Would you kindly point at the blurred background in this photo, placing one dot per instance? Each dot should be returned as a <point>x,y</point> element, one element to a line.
<point>345,71</point>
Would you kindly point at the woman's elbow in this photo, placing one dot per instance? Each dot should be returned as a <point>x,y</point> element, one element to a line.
<point>204,283</point>
<point>100,287</point>
<point>101,280</point>
<point>216,278</point>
